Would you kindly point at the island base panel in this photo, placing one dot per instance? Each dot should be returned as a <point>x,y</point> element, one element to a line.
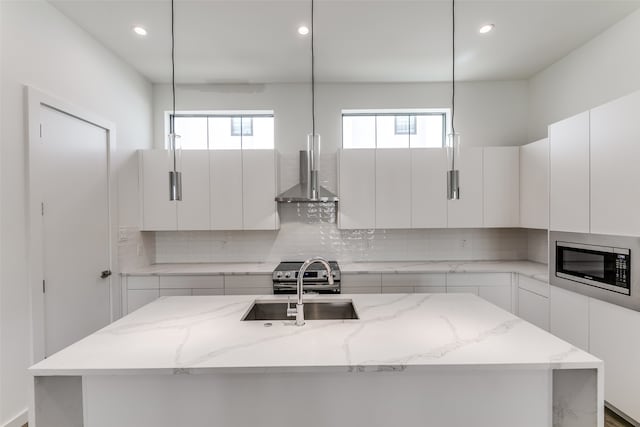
<point>58,402</point>
<point>371,399</point>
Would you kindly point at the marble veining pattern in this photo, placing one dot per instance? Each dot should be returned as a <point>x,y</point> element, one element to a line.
<point>394,332</point>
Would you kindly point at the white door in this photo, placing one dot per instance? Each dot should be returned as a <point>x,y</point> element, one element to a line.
<point>73,164</point>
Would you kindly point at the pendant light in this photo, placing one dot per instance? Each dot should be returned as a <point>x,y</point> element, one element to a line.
<point>313,139</point>
<point>453,139</point>
<point>175,176</point>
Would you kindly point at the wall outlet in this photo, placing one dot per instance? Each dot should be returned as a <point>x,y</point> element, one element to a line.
<point>122,235</point>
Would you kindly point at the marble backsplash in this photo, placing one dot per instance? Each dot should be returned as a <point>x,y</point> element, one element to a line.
<point>310,229</point>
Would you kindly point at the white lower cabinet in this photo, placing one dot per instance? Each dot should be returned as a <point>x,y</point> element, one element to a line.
<point>462,290</point>
<point>569,317</point>
<point>614,336</point>
<point>245,284</point>
<point>180,292</point>
<point>361,283</point>
<point>533,308</point>
<point>398,283</point>
<point>533,301</point>
<point>137,298</point>
<point>498,295</point>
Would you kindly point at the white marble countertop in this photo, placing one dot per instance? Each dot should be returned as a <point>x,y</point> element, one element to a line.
<point>532,269</point>
<point>180,335</point>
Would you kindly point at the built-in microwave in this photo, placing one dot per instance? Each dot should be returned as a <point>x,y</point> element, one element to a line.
<point>599,266</point>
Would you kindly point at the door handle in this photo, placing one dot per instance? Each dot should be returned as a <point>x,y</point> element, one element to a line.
<point>105,274</point>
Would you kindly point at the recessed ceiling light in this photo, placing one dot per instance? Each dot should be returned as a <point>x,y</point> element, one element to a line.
<point>140,31</point>
<point>486,28</point>
<point>303,30</point>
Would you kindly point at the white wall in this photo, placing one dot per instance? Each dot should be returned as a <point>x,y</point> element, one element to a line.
<point>487,113</point>
<point>41,48</point>
<point>605,68</point>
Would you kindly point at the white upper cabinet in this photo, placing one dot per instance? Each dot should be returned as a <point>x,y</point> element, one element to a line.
<point>193,209</point>
<point>158,213</point>
<point>221,190</point>
<point>393,188</point>
<point>501,186</point>
<point>467,212</point>
<point>534,185</point>
<point>357,188</point>
<point>569,174</point>
<point>615,174</point>
<point>428,188</point>
<point>260,211</point>
<point>226,189</point>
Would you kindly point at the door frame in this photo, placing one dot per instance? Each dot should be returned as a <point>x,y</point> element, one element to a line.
<point>35,260</point>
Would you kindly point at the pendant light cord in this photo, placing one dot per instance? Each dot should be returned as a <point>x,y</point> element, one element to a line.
<point>173,85</point>
<point>453,66</point>
<point>313,76</point>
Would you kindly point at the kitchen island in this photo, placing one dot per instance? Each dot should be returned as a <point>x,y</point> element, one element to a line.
<point>409,360</point>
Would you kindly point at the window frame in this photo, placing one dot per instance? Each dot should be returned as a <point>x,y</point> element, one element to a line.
<point>443,112</point>
<point>215,113</point>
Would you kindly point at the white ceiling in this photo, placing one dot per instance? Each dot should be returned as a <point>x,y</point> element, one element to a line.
<point>241,41</point>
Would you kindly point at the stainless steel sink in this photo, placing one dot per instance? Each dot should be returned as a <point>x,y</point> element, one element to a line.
<point>313,310</point>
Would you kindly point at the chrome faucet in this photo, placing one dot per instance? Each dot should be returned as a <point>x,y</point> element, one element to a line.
<point>298,310</point>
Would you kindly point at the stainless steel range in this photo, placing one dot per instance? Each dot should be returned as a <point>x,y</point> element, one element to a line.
<point>315,278</point>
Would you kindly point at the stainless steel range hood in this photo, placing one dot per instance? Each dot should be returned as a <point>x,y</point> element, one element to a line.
<point>308,191</point>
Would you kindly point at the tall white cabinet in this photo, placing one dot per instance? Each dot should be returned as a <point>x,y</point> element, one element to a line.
<point>615,171</point>
<point>501,186</point>
<point>534,184</point>
<point>193,210</point>
<point>157,212</point>
<point>569,174</point>
<point>393,188</point>
<point>259,208</point>
<point>428,188</point>
<point>357,188</point>
<point>467,212</point>
<point>226,192</point>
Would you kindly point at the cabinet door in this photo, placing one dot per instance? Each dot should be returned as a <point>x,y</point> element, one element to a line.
<point>357,188</point>
<point>428,188</point>
<point>569,174</point>
<point>365,283</point>
<point>137,298</point>
<point>615,151</point>
<point>569,317</point>
<point>393,188</point>
<point>533,308</point>
<point>193,209</point>
<point>534,185</point>
<point>467,212</point>
<point>226,189</point>
<point>614,336</point>
<point>498,295</point>
<point>260,210</point>
<point>158,213</point>
<point>501,186</point>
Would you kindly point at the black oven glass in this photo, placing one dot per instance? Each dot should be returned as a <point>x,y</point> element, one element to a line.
<point>584,263</point>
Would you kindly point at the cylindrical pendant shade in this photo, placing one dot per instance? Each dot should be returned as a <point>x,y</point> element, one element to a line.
<point>175,186</point>
<point>313,165</point>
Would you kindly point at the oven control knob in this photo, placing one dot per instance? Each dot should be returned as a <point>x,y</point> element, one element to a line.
<point>324,274</point>
<point>287,275</point>
<point>279,274</point>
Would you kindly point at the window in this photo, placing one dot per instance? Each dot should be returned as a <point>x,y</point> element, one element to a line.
<point>241,126</point>
<point>394,128</point>
<point>245,130</point>
<point>405,125</point>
